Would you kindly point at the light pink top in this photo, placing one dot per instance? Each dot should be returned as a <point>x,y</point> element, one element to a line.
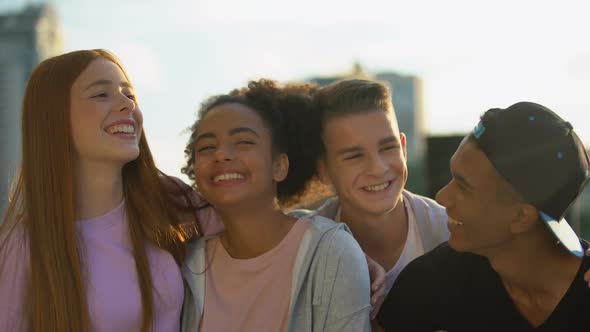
<point>112,290</point>
<point>250,294</point>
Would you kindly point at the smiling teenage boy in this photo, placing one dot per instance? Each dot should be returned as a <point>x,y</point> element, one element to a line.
<point>512,262</point>
<point>362,155</point>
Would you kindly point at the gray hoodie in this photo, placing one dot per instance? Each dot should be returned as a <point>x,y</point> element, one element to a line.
<point>330,289</point>
<point>430,216</point>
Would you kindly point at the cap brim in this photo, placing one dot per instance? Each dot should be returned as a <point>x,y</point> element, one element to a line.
<point>564,233</point>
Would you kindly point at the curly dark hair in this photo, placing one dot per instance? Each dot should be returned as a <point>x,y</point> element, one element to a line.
<point>285,110</point>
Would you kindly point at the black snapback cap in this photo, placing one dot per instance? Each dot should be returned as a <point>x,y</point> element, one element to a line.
<point>543,159</point>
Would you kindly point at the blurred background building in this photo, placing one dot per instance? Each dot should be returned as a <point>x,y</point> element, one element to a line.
<point>27,37</point>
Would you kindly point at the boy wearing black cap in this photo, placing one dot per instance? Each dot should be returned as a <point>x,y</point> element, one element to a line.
<point>512,262</point>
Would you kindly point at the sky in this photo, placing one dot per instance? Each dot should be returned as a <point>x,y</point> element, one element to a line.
<point>471,55</point>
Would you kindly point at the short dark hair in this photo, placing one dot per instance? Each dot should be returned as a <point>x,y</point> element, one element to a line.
<point>353,96</point>
<point>345,97</point>
<point>284,110</point>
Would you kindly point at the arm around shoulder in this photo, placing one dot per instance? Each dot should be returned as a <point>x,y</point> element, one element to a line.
<point>189,203</point>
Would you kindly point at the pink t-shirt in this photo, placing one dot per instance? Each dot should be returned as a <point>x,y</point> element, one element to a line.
<point>250,294</point>
<point>112,290</point>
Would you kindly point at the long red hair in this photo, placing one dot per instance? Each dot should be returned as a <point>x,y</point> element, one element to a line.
<point>42,203</point>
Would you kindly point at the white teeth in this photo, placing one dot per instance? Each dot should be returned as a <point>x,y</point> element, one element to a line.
<point>123,128</point>
<point>227,176</point>
<point>455,222</point>
<point>377,187</point>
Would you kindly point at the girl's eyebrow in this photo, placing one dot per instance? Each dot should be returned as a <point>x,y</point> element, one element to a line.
<point>233,131</point>
<point>203,136</point>
<point>123,84</point>
<point>243,129</point>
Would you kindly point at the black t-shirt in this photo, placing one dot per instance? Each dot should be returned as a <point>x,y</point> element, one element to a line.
<point>446,290</point>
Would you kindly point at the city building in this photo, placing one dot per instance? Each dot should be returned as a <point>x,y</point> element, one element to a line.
<point>26,38</point>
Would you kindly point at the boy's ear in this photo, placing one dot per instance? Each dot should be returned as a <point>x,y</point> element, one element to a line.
<point>402,140</point>
<point>526,218</point>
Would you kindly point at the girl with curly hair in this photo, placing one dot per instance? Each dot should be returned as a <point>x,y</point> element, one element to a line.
<point>267,270</point>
